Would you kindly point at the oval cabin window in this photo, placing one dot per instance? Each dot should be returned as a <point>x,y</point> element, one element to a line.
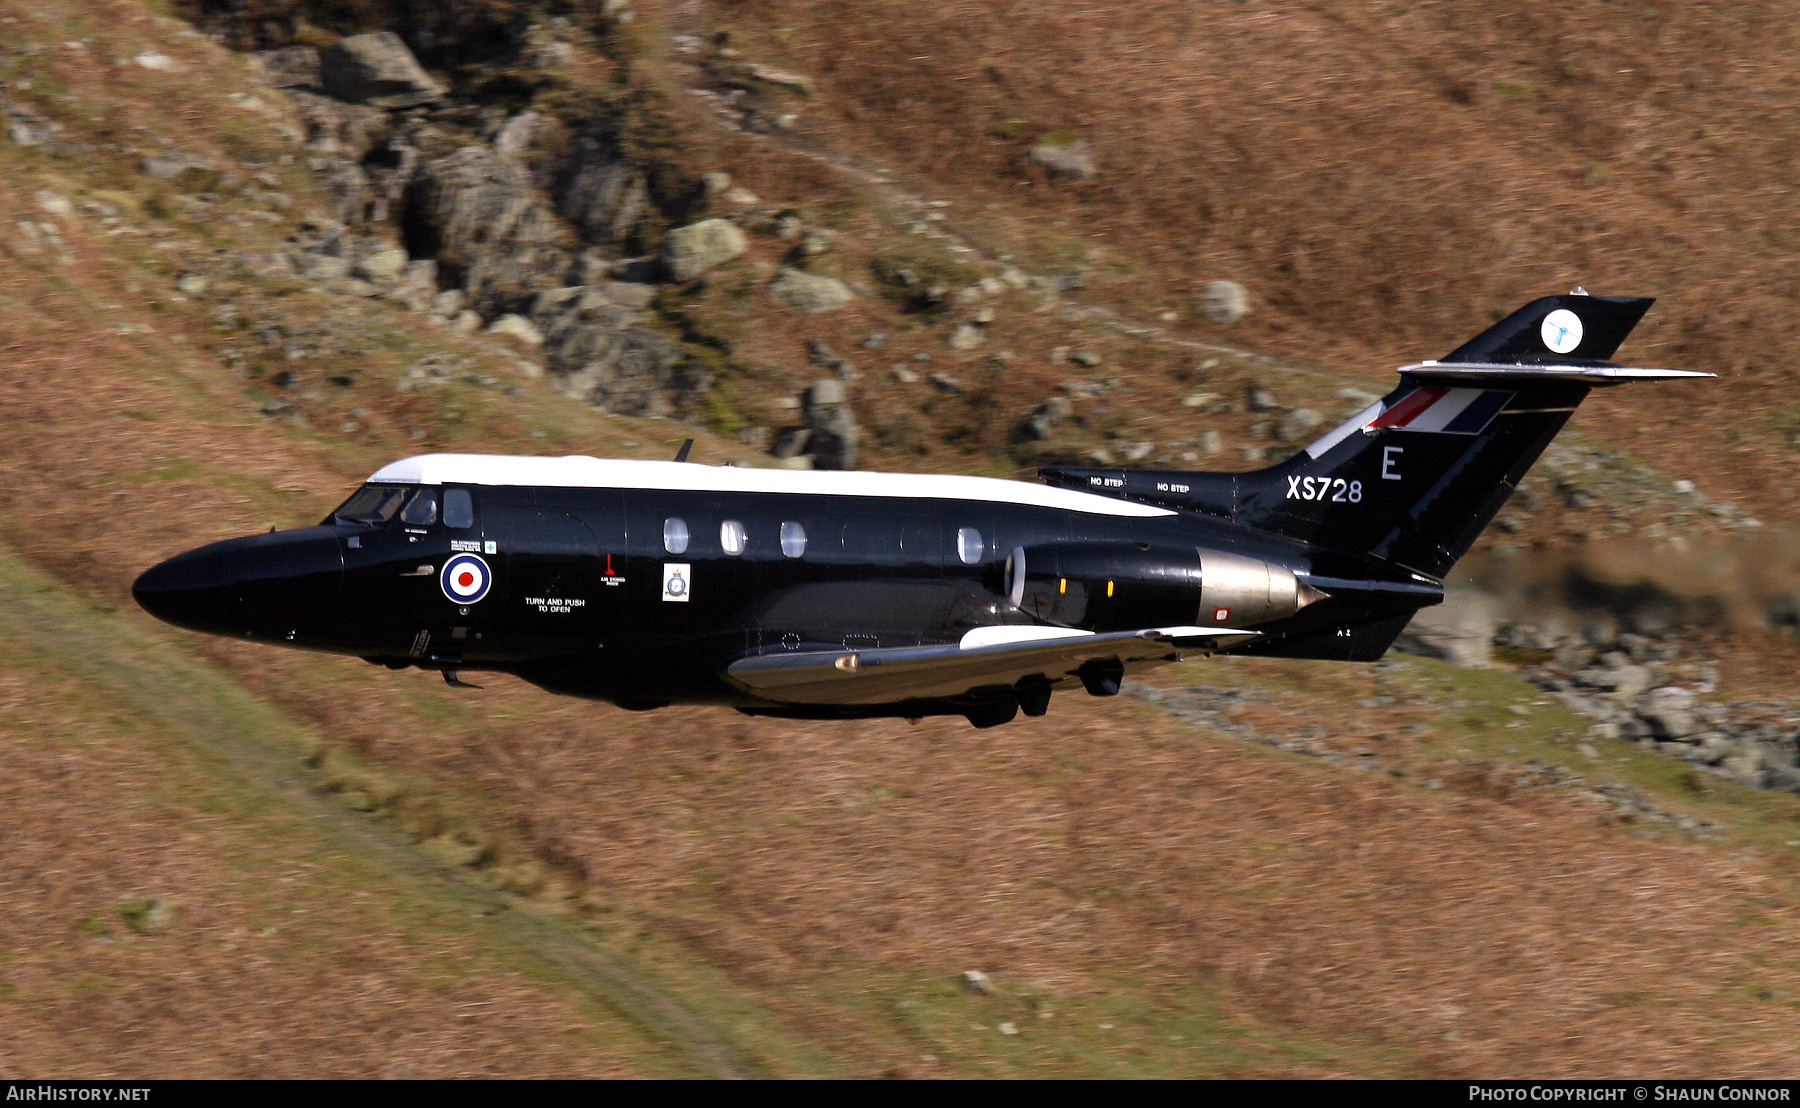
<point>969,546</point>
<point>793,539</point>
<point>675,536</point>
<point>731,537</point>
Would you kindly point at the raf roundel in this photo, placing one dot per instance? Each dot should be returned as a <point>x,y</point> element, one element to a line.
<point>1561,331</point>
<point>465,578</point>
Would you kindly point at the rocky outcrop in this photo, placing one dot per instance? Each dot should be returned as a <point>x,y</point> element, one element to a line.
<point>604,196</point>
<point>598,351</point>
<point>378,70</point>
<point>477,213</point>
<point>289,67</point>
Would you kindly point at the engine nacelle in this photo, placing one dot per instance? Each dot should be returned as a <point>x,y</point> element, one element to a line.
<point>1109,586</point>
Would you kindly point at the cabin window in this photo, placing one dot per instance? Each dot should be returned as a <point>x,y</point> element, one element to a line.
<point>371,504</point>
<point>675,535</point>
<point>793,539</point>
<point>459,508</point>
<point>969,545</point>
<point>421,511</point>
<point>731,537</point>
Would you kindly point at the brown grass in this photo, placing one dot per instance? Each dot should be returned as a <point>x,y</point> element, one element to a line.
<point>282,959</point>
<point>1478,936</point>
<point>1384,179</point>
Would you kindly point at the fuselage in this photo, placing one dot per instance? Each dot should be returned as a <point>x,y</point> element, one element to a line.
<point>636,582</point>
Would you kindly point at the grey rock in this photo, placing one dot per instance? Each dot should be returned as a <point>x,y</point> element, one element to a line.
<point>514,136</point>
<point>1744,764</point>
<point>816,241</point>
<point>322,268</point>
<point>791,442</point>
<point>1784,778</point>
<point>943,382</point>
<point>148,914</point>
<point>1085,358</point>
<point>1224,302</point>
<point>483,210</point>
<point>1460,630</point>
<point>191,284</point>
<point>446,304</point>
<point>966,337</point>
<point>168,167</point>
<point>834,432</point>
<point>809,293</point>
<point>1138,451</point>
<point>1261,400</point>
<point>382,265</point>
<point>977,982</point>
<point>1070,162</point>
<point>594,350</point>
<point>376,69</point>
<point>627,294</point>
<point>1043,419</point>
<point>1211,442</point>
<point>26,127</point>
<point>416,287</point>
<point>601,192</point>
<point>1623,681</point>
<point>689,251</point>
<point>635,372</point>
<point>1298,424</point>
<point>290,67</point>
<point>519,328</point>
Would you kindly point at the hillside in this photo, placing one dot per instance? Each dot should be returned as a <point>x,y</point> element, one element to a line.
<point>229,859</point>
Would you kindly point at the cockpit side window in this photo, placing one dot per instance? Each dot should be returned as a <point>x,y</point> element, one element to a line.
<point>421,511</point>
<point>459,508</point>
<point>371,504</point>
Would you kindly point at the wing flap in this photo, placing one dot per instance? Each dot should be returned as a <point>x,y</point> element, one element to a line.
<point>890,674</point>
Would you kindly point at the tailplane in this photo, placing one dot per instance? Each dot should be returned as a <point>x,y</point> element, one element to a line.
<point>1414,478</point>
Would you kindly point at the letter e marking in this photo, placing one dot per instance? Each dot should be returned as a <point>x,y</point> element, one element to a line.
<point>1388,473</point>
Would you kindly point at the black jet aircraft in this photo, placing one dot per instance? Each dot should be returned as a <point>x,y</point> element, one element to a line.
<point>845,595</point>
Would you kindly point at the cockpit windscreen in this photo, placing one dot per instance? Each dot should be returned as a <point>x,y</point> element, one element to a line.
<point>371,504</point>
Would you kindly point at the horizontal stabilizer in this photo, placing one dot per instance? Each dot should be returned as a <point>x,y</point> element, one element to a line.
<point>890,674</point>
<point>1497,373</point>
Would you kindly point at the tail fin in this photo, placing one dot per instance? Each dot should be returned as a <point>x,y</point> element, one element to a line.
<point>1415,477</point>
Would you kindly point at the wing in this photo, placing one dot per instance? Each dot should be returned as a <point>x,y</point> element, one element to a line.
<point>986,656</point>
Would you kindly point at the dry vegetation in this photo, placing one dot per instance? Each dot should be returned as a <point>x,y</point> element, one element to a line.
<point>1384,177</point>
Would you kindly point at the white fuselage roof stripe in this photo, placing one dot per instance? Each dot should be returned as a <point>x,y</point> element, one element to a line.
<point>577,471</point>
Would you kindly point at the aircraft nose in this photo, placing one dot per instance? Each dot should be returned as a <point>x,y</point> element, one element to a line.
<point>189,590</point>
<point>261,584</point>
